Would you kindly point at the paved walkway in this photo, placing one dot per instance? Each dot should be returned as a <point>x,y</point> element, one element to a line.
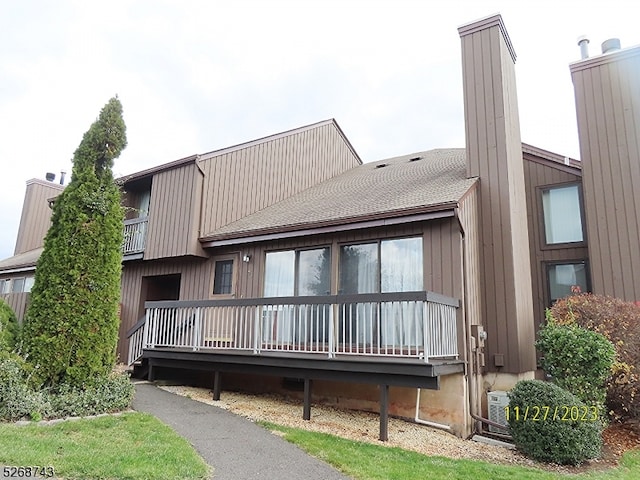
<point>235,447</point>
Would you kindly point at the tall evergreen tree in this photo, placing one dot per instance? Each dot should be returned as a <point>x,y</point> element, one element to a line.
<point>71,326</point>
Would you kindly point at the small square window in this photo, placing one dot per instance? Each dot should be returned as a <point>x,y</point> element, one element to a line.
<point>566,279</point>
<point>562,214</point>
<point>5,286</point>
<point>223,277</point>
<point>18,285</point>
<point>28,284</point>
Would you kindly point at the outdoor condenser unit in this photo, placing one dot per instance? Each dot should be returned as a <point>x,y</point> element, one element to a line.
<point>497,401</point>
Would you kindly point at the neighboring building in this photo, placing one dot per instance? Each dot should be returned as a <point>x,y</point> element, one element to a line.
<point>413,285</point>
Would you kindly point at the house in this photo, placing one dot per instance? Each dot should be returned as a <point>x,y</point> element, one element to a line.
<point>412,286</point>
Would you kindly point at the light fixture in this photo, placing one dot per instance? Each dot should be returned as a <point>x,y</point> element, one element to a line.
<point>246,258</point>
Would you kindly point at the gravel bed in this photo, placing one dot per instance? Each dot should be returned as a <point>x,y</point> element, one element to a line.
<point>360,426</point>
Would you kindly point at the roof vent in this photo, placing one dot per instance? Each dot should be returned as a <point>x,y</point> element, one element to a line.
<point>413,159</point>
<point>381,165</point>
<point>50,176</point>
<point>583,43</point>
<point>610,45</point>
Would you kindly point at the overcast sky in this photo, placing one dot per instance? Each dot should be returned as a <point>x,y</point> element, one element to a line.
<point>195,76</point>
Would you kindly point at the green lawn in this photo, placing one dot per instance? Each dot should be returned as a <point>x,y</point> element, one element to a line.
<point>364,461</point>
<point>129,446</point>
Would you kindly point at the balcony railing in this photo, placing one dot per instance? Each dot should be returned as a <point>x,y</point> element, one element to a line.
<point>414,325</point>
<point>135,235</point>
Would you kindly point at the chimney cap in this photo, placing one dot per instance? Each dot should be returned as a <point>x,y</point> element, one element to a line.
<point>610,45</point>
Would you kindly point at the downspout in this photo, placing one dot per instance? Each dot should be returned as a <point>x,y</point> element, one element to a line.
<point>417,418</point>
<point>474,365</point>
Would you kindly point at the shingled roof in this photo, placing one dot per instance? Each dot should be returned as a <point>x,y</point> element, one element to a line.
<point>410,184</point>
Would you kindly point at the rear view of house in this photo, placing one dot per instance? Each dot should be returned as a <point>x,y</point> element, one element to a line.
<point>413,285</point>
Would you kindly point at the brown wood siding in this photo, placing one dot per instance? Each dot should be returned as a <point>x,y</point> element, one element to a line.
<point>541,174</point>
<point>246,180</point>
<point>441,248</point>
<point>174,213</point>
<point>494,153</point>
<point>195,281</point>
<point>608,110</point>
<point>36,215</point>
<point>468,214</point>
<point>17,301</point>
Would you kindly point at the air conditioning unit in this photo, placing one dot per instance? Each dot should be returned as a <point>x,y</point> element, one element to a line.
<point>497,401</point>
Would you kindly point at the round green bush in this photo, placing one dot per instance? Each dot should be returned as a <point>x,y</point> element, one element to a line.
<point>552,425</point>
<point>578,360</point>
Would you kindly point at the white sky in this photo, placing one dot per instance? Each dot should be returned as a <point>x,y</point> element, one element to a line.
<point>195,76</point>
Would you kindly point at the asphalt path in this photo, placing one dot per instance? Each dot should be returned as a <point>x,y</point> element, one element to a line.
<point>235,447</point>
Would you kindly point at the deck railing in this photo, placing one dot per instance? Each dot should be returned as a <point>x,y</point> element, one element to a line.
<point>418,325</point>
<point>135,235</point>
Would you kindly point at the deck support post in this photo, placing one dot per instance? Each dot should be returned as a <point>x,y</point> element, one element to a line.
<point>306,412</point>
<point>216,385</point>
<point>150,371</point>
<point>384,413</point>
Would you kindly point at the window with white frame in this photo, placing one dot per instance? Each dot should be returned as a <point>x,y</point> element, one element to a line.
<point>5,285</point>
<point>562,211</point>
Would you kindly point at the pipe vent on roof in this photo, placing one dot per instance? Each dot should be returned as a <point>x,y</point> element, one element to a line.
<point>610,45</point>
<point>583,43</point>
<point>414,159</point>
<point>381,165</point>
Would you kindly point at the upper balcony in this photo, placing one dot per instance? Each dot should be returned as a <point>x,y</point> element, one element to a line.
<point>135,237</point>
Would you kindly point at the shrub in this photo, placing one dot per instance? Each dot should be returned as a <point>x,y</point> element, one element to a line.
<point>109,394</point>
<point>9,327</point>
<point>18,398</point>
<point>577,359</point>
<point>555,436</point>
<point>619,321</point>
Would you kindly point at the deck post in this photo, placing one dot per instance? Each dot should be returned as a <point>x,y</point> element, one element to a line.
<point>306,412</point>
<point>384,413</point>
<point>216,385</point>
<point>150,372</point>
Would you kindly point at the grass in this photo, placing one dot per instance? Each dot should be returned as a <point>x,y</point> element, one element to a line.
<point>129,446</point>
<point>364,461</point>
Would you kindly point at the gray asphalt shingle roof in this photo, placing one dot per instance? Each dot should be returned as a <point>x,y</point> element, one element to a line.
<point>437,178</point>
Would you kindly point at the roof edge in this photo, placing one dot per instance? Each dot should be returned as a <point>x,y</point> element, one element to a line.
<point>347,223</point>
<point>276,136</point>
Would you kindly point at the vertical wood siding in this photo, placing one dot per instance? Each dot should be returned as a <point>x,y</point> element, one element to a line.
<point>195,283</point>
<point>541,175</point>
<point>494,153</point>
<point>174,213</point>
<point>36,215</point>
<point>17,301</point>
<point>246,180</point>
<point>607,98</point>
<point>468,214</point>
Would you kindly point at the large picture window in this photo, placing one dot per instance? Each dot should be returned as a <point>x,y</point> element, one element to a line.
<point>562,214</point>
<point>567,278</point>
<point>296,273</point>
<point>394,265</point>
